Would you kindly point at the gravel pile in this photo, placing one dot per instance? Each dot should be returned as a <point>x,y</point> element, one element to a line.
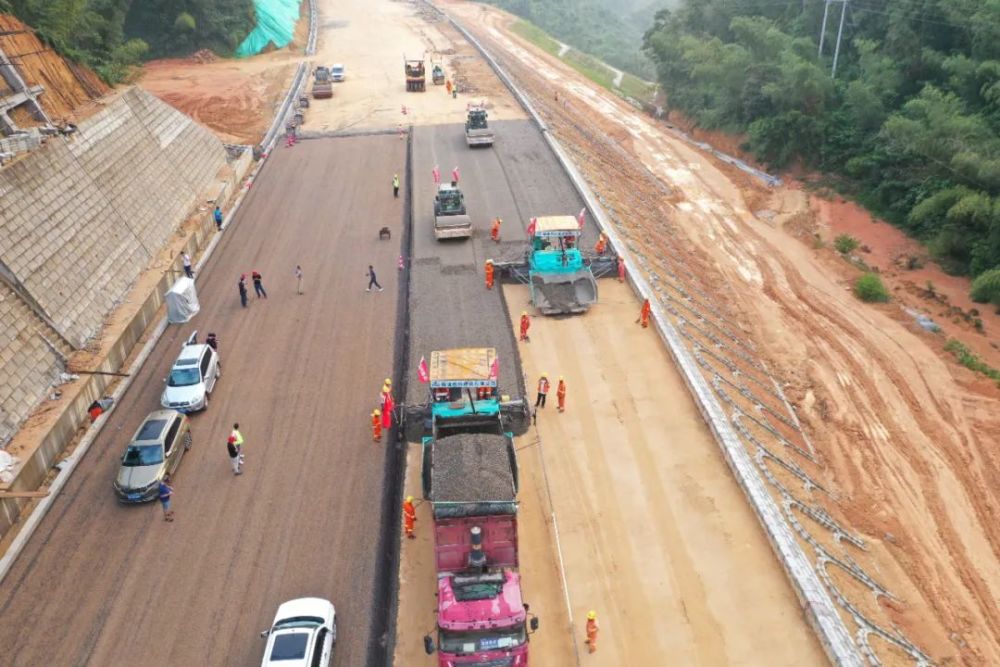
<point>472,468</point>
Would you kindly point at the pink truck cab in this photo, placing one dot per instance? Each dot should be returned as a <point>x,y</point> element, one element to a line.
<point>471,481</point>
<point>482,620</point>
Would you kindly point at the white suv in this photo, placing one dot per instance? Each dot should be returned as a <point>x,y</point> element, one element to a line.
<point>302,635</point>
<point>192,378</point>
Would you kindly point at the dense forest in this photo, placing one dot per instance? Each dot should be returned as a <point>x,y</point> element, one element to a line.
<point>111,36</point>
<point>910,125</point>
<point>609,29</point>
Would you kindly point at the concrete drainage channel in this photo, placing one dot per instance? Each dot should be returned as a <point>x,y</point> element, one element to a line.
<point>813,595</point>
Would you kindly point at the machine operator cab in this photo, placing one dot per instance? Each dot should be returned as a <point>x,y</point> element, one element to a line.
<point>463,384</point>
<point>554,245</point>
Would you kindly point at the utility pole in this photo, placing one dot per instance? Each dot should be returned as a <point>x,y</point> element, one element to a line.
<point>840,31</point>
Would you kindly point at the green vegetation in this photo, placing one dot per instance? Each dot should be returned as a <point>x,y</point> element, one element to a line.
<point>986,287</point>
<point>589,66</point>
<point>636,88</point>
<point>610,30</point>
<point>536,36</point>
<point>968,359</point>
<point>870,289</point>
<point>845,244</point>
<point>112,36</point>
<point>910,126</point>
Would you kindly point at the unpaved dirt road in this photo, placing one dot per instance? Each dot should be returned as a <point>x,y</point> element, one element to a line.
<point>657,536</point>
<point>905,439</point>
<point>104,584</point>
<point>370,39</point>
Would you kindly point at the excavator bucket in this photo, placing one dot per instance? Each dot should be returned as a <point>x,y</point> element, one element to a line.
<point>563,293</point>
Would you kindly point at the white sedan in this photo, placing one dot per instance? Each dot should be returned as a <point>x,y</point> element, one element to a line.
<point>302,635</point>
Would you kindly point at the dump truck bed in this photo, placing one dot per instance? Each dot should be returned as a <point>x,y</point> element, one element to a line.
<point>471,481</point>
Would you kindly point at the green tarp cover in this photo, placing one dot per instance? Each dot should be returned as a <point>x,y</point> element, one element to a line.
<point>275,23</point>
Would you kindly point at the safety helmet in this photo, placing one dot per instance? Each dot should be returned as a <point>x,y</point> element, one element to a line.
<point>560,378</point>
<point>591,615</point>
<point>489,261</point>
<point>376,412</point>
<point>544,374</point>
<point>388,382</point>
<point>523,313</point>
<point>409,499</point>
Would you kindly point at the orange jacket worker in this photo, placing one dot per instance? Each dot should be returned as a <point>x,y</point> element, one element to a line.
<point>489,274</point>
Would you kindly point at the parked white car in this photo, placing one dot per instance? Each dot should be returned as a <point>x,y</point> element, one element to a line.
<point>338,73</point>
<point>303,634</point>
<point>192,378</point>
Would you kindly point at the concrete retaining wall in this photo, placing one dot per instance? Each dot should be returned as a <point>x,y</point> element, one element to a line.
<point>31,359</point>
<point>82,216</point>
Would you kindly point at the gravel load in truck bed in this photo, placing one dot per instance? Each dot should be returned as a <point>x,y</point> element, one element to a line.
<point>472,468</point>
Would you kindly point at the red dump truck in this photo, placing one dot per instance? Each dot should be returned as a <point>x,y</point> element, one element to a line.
<point>471,482</point>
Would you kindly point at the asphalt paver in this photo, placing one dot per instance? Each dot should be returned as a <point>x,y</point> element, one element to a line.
<point>100,583</point>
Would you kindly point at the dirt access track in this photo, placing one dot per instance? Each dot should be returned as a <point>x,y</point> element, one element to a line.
<point>903,440</point>
<point>301,372</point>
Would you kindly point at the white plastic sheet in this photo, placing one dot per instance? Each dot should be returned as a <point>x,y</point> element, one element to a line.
<point>182,301</point>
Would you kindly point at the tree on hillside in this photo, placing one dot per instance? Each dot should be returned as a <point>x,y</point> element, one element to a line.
<point>112,36</point>
<point>910,126</point>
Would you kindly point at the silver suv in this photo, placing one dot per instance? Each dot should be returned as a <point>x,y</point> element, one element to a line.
<point>155,450</point>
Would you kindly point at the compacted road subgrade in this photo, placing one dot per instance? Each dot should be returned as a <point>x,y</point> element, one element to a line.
<point>104,584</point>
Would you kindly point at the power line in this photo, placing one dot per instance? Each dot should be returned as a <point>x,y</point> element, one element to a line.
<point>919,19</point>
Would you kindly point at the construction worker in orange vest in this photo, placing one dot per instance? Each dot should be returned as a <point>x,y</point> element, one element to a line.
<point>377,425</point>
<point>621,270</point>
<point>543,390</point>
<point>561,394</point>
<point>525,325</point>
<point>601,245</point>
<point>644,314</point>
<point>489,274</point>
<point>495,229</point>
<point>409,516</point>
<point>592,631</point>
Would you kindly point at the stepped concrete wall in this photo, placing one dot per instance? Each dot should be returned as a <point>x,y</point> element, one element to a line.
<point>82,216</point>
<point>28,365</point>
